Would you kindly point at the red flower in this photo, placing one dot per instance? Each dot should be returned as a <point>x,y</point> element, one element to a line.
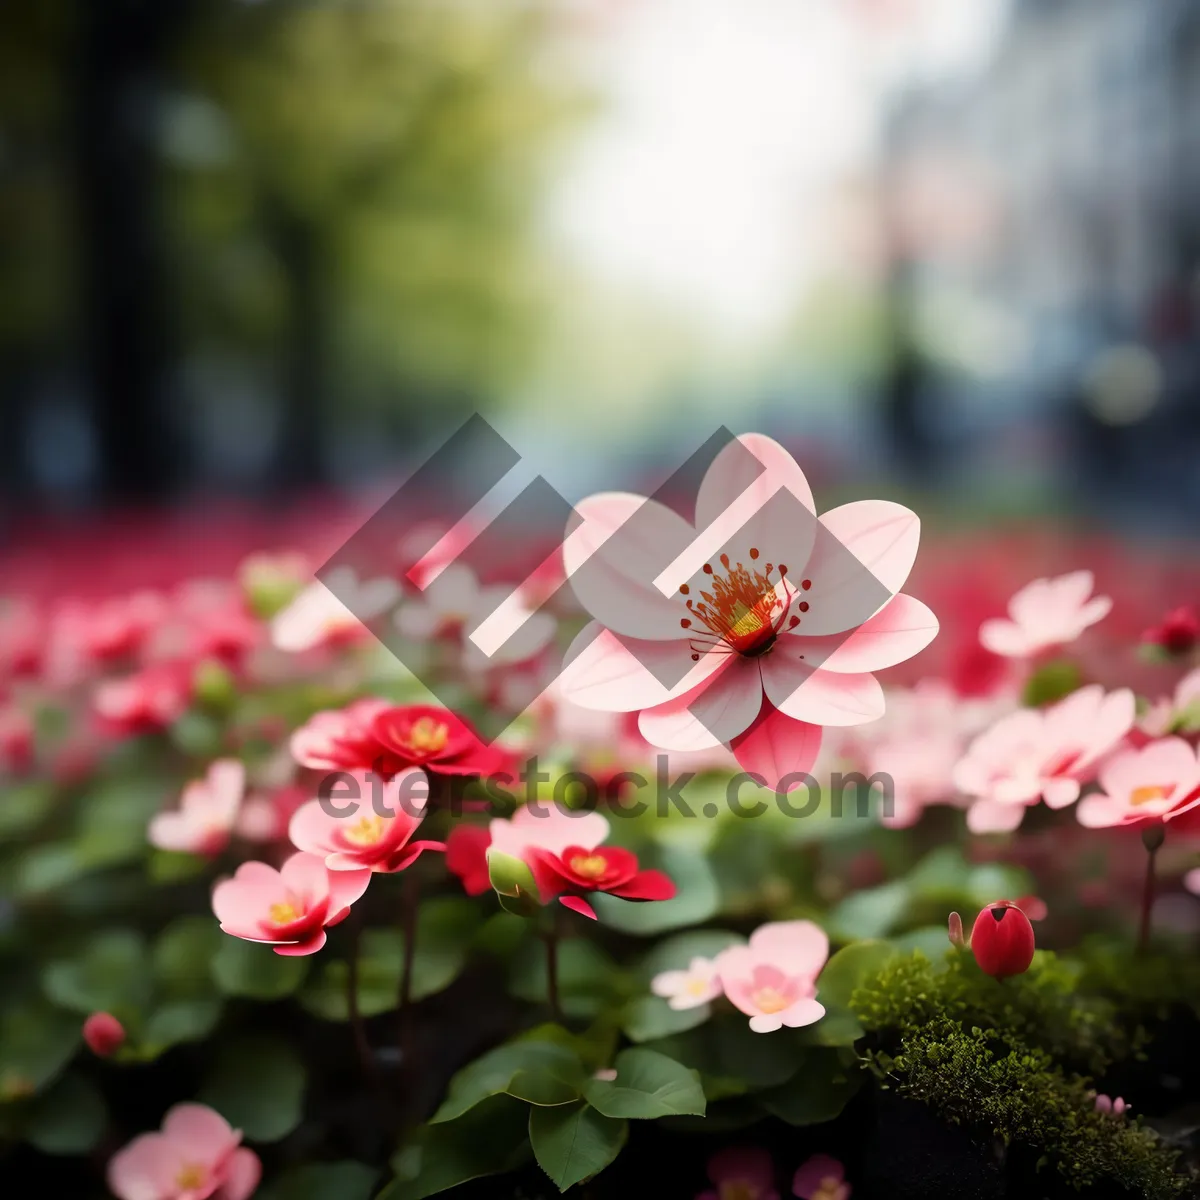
<point>466,857</point>
<point>146,702</point>
<point>422,735</point>
<point>1177,633</point>
<point>611,869</point>
<point>103,1033</point>
<point>1002,940</point>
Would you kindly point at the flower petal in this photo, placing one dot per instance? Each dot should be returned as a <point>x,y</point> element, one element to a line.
<point>817,696</point>
<point>901,629</point>
<point>986,816</point>
<point>578,904</point>
<point>646,885</point>
<point>776,748</point>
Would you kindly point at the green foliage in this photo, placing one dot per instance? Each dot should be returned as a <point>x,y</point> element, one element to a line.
<point>1052,682</point>
<point>574,1143</point>
<point>986,1080</point>
<point>323,1181</point>
<point>257,1085</point>
<point>1146,990</point>
<point>647,1085</point>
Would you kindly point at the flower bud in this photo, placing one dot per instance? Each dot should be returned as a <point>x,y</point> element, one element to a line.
<point>103,1033</point>
<point>956,931</point>
<point>1002,940</point>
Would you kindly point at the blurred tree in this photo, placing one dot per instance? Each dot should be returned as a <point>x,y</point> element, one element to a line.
<point>354,182</point>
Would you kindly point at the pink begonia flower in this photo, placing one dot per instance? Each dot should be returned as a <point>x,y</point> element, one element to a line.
<point>207,813</point>
<point>563,851</point>
<point>1158,782</point>
<point>340,739</point>
<point>453,605</point>
<point>145,702</point>
<point>1040,754</point>
<point>363,838</point>
<point>773,980</point>
<point>288,909</point>
<point>689,988</point>
<point>741,1173</point>
<point>1191,881</point>
<point>1044,614</point>
<point>779,637</point>
<point>821,1178</point>
<point>317,617</point>
<point>196,1156</point>
<point>1109,1106</point>
<point>1162,717</point>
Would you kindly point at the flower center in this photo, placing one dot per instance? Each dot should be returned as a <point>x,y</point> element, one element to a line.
<point>589,866</point>
<point>427,736</point>
<point>366,832</point>
<point>285,913</point>
<point>743,611</point>
<point>1150,793</point>
<point>191,1175</point>
<point>770,1000</point>
<point>739,1189</point>
<point>828,1189</point>
<point>696,986</point>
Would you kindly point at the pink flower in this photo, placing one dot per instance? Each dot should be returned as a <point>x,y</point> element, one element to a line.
<point>1036,754</point>
<point>1044,614</point>
<point>207,812</point>
<point>563,852</point>
<point>340,739</point>
<point>16,740</point>
<point>103,1033</point>
<point>288,909</point>
<point>821,1178</point>
<point>264,817</point>
<point>146,702</point>
<point>1191,881</point>
<point>1166,714</point>
<point>466,857</point>
<point>364,838</point>
<point>773,980</point>
<point>1156,783</point>
<point>317,617</point>
<point>1109,1106</point>
<point>741,1173</point>
<point>196,1156</point>
<point>770,641</point>
<point>691,988</point>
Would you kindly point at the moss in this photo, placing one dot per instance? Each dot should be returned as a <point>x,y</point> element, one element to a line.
<point>1145,989</point>
<point>1014,1060</point>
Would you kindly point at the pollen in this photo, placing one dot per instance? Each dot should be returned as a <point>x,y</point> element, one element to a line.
<point>770,1000</point>
<point>589,866</point>
<point>191,1175</point>
<point>367,831</point>
<point>427,736</point>
<point>1149,794</point>
<point>744,611</point>
<point>285,913</point>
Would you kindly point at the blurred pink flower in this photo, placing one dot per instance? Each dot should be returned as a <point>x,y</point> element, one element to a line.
<point>1044,614</point>
<point>146,702</point>
<point>773,980</point>
<point>196,1156</point>
<point>288,909</point>
<point>1157,782</point>
<point>207,813</point>
<point>1115,1108</point>
<point>16,741</point>
<point>364,838</point>
<point>741,1173</point>
<point>317,617</point>
<point>821,1178</point>
<point>1163,716</point>
<point>689,988</point>
<point>776,644</point>
<point>340,739</point>
<point>1037,754</point>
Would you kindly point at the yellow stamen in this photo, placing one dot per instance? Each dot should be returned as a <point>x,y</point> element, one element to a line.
<point>427,736</point>
<point>1149,794</point>
<point>366,832</point>
<point>590,866</point>
<point>191,1175</point>
<point>770,1000</point>
<point>696,986</point>
<point>285,913</point>
<point>737,1189</point>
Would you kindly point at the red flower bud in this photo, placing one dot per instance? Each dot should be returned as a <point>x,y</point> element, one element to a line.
<point>103,1033</point>
<point>1002,940</point>
<point>1177,633</point>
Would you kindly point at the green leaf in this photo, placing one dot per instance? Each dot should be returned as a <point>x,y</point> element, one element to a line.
<point>1051,683</point>
<point>697,897</point>
<point>575,1142</point>
<point>24,808</point>
<point>323,1181</point>
<point>189,1020</point>
<point>111,975</point>
<point>817,1093</point>
<point>648,1017</point>
<point>933,941</point>
<point>871,913</point>
<point>257,1085</point>
<point>113,820</point>
<point>36,1043</point>
<point>648,1085</point>
<point>488,1140</point>
<point>249,969</point>
<point>175,866</point>
<point>537,1072</point>
<point>183,953</point>
<point>69,1118</point>
<point>849,968</point>
<point>46,868</point>
<point>758,1060</point>
<point>588,980</point>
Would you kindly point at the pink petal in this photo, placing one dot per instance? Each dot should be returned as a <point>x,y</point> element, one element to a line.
<point>775,748</point>
<point>902,628</point>
<point>813,1173</point>
<point>986,816</point>
<point>803,1012</point>
<point>345,887</point>
<point>242,1175</point>
<point>862,556</point>
<point>174,831</point>
<point>675,726</point>
<point>751,471</point>
<point>1006,639</point>
<point>305,874</point>
<point>613,558</point>
<point>145,1169</point>
<point>1100,812</point>
<point>818,697</point>
<point>1059,793</point>
<point>800,946</point>
<point>578,904</point>
<point>201,1133</point>
<point>646,885</point>
<point>723,706</point>
<point>1095,610</point>
<point>299,949</point>
<point>312,829</point>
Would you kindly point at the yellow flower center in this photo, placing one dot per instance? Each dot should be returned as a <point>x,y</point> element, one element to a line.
<point>770,1000</point>
<point>738,1189</point>
<point>427,736</point>
<point>285,913</point>
<point>696,986</point>
<point>829,1189</point>
<point>366,832</point>
<point>1149,794</point>
<point>191,1175</point>
<point>590,866</point>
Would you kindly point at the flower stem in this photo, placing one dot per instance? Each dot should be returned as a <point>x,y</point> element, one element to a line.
<point>410,899</point>
<point>1152,839</point>
<point>552,970</point>
<point>361,1044</point>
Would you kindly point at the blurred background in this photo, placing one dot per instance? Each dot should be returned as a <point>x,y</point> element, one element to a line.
<point>257,253</point>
